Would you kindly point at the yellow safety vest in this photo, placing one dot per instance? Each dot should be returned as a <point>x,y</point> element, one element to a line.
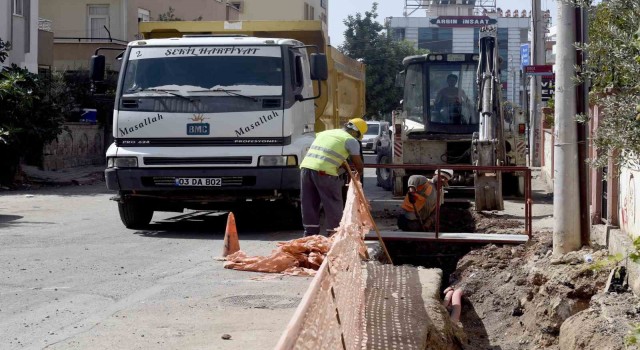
<point>328,152</point>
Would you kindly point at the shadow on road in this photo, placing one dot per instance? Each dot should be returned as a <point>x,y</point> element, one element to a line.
<point>6,220</point>
<point>211,225</point>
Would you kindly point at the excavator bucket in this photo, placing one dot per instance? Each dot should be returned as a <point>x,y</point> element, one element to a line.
<point>489,191</point>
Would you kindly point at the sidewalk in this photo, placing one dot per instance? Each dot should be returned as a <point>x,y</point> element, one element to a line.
<point>84,175</point>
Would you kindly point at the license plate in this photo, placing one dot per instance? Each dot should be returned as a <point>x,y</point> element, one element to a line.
<point>198,181</point>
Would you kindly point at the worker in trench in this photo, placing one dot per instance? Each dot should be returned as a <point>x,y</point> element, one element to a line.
<point>320,174</point>
<point>419,206</point>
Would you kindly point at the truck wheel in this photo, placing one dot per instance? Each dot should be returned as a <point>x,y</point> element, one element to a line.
<point>134,215</point>
<point>384,175</point>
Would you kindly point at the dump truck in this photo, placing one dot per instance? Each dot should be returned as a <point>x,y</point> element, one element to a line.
<point>452,113</point>
<point>219,115</point>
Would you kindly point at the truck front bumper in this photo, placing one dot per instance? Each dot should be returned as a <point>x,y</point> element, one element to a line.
<point>164,180</point>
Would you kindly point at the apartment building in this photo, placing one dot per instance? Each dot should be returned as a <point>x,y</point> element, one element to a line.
<point>282,10</point>
<point>81,26</point>
<point>19,26</point>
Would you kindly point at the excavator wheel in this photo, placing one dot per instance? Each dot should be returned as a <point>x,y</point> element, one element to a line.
<point>384,178</point>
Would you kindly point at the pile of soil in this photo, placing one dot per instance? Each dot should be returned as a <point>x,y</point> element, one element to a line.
<point>522,297</point>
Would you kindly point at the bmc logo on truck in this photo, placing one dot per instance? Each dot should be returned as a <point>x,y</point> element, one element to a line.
<point>198,129</point>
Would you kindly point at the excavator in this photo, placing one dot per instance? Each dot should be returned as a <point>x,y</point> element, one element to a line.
<point>452,113</point>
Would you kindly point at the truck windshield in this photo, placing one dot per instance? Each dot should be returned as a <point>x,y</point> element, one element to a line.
<point>205,70</point>
<point>452,94</point>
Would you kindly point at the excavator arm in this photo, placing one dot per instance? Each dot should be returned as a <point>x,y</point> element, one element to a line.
<point>488,143</point>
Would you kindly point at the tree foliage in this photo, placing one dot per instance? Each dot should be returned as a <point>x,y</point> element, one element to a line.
<point>613,67</point>
<point>369,42</point>
<point>5,47</point>
<point>32,112</point>
<point>169,16</point>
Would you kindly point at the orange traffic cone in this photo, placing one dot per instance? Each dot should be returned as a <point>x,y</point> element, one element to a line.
<point>231,243</point>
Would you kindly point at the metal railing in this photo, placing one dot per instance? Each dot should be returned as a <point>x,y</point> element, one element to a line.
<point>498,169</point>
<point>90,40</point>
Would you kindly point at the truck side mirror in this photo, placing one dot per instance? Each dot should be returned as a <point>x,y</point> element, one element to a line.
<point>400,79</point>
<point>97,67</point>
<point>319,67</point>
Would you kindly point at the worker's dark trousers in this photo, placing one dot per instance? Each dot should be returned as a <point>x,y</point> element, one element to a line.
<point>316,189</point>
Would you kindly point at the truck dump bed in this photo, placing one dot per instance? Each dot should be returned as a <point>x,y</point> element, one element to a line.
<point>342,94</point>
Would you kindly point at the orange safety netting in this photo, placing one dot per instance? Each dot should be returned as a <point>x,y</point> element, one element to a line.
<point>301,257</point>
<point>331,313</point>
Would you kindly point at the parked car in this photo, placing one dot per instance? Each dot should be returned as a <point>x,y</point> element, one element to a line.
<point>378,135</point>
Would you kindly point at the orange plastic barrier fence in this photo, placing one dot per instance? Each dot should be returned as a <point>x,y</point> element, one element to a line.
<point>331,313</point>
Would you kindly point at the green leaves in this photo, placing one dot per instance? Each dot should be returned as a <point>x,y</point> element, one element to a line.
<point>368,41</point>
<point>5,47</point>
<point>613,67</point>
<point>30,114</point>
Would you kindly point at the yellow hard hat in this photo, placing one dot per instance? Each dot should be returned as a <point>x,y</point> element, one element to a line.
<point>358,124</point>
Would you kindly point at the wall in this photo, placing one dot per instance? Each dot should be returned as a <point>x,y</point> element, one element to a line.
<point>76,56</point>
<point>45,49</point>
<point>547,170</point>
<point>82,144</point>
<point>69,17</point>
<point>629,205</point>
<point>275,10</point>
<point>187,10</point>
<point>22,32</point>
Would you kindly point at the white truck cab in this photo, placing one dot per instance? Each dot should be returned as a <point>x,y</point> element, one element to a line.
<point>209,122</point>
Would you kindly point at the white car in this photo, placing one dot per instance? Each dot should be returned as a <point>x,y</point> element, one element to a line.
<point>378,135</point>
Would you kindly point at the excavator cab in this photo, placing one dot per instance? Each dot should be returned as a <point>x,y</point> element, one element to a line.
<point>440,92</point>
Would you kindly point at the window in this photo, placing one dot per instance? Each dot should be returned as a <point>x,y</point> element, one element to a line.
<point>18,7</point>
<point>256,75</point>
<point>97,21</point>
<point>413,96</point>
<point>436,40</point>
<point>452,94</point>
<point>397,34</point>
<point>298,74</point>
<point>309,12</point>
<point>143,15</point>
<point>237,5</point>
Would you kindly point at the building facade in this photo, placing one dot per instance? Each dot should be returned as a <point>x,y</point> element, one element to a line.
<point>19,26</point>
<point>82,26</point>
<point>454,28</point>
<point>282,10</point>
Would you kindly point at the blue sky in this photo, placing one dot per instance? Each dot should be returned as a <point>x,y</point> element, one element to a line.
<point>340,9</point>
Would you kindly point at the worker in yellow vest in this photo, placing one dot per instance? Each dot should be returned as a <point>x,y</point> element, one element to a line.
<point>320,170</point>
<point>419,206</point>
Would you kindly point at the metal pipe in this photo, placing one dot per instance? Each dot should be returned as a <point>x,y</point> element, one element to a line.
<point>456,305</point>
<point>437,202</point>
<point>449,166</point>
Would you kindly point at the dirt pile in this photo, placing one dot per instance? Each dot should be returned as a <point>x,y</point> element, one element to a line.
<point>521,297</point>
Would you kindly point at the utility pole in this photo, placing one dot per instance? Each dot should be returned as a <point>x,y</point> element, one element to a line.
<point>566,200</point>
<point>538,58</point>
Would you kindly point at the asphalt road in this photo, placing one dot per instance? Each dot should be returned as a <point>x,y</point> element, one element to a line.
<point>73,277</point>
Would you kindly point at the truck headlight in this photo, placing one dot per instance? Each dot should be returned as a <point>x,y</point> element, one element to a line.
<point>277,161</point>
<point>122,162</point>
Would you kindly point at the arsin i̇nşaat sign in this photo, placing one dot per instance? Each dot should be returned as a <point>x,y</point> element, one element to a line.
<point>463,21</point>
